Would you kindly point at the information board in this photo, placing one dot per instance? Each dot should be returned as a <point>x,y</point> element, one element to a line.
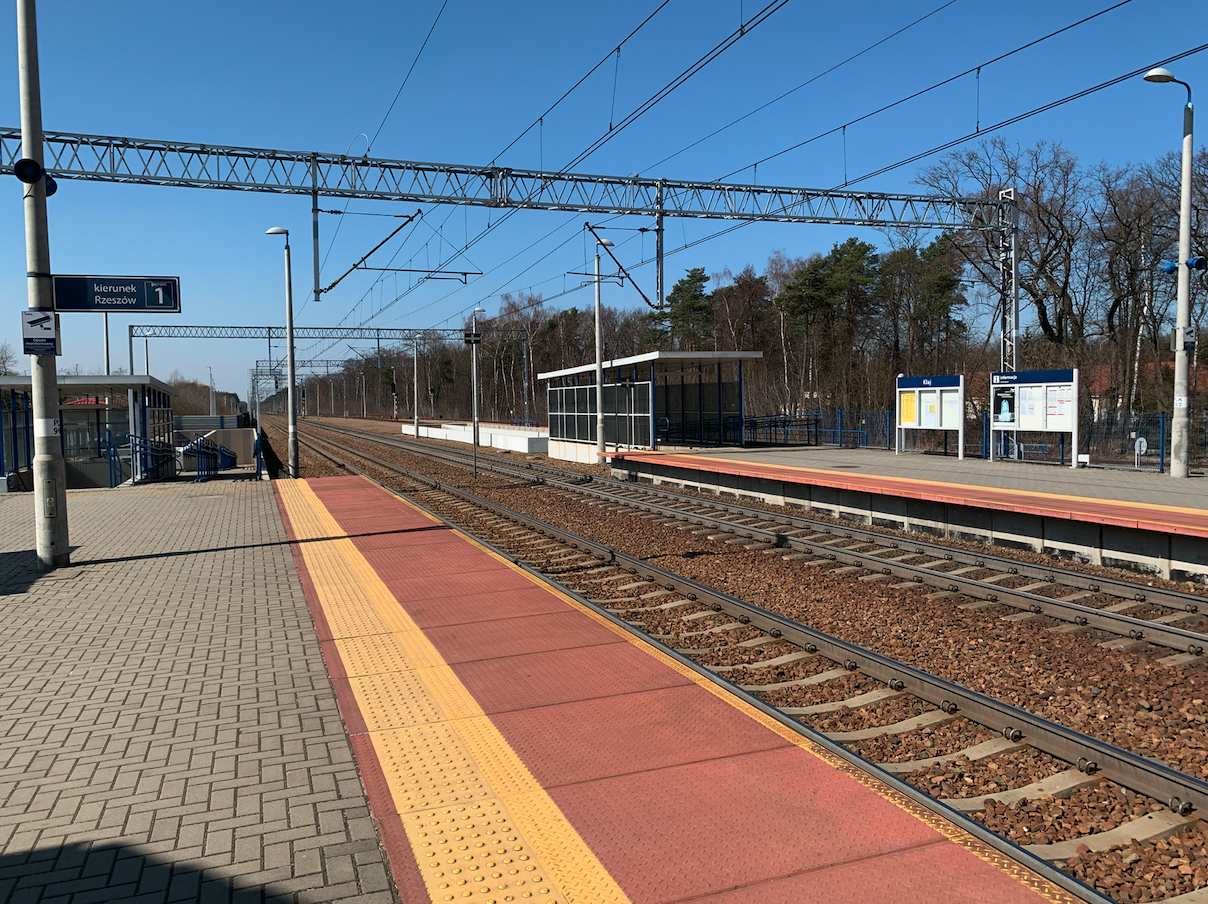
<point>141,294</point>
<point>931,403</point>
<point>1035,401</point>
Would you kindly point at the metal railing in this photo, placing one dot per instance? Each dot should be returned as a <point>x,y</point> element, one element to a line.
<point>151,460</point>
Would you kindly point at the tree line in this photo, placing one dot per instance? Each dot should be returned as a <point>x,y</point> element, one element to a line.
<point>835,328</point>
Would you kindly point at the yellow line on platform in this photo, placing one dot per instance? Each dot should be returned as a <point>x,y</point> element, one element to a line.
<point>481,826</point>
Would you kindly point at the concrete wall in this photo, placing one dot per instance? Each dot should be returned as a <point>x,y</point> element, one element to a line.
<point>511,439</point>
<point>1173,556</point>
<point>241,441</point>
<point>583,453</point>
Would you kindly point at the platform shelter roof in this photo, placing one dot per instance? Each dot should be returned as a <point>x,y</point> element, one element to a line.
<point>664,363</point>
<point>73,386</point>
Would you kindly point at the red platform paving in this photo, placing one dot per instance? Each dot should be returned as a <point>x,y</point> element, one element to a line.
<point>682,790</point>
<point>1119,513</point>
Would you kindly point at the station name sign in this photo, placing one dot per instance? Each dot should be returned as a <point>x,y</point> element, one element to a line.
<point>141,294</point>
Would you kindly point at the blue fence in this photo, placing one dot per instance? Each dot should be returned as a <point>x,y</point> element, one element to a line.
<point>1109,439</point>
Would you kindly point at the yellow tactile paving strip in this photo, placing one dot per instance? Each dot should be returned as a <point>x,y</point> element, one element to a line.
<point>480,825</point>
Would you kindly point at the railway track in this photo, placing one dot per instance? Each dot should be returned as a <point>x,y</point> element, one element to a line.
<point>1075,598</point>
<point>773,657</point>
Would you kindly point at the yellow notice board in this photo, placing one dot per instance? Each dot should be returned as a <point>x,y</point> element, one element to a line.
<point>906,404</point>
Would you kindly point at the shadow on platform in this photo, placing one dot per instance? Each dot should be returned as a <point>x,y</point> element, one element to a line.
<point>107,872</point>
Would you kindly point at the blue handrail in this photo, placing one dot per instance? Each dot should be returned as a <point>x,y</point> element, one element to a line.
<point>151,460</point>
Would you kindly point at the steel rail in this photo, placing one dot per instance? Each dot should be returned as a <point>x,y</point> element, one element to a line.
<point>1181,792</point>
<point>1169,636</point>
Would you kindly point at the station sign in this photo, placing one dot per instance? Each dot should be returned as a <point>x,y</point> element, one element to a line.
<point>136,294</point>
<point>40,333</point>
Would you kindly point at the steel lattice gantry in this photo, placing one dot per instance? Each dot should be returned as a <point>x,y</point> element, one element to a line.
<point>193,165</point>
<point>184,164</point>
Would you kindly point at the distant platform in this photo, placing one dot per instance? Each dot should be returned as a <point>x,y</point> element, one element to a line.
<point>1137,520</point>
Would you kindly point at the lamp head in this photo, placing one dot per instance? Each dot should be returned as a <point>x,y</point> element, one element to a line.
<point>480,310</point>
<point>1159,75</point>
<point>276,230</point>
<point>604,242</point>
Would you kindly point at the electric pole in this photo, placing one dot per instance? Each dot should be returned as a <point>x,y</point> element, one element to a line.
<point>49,472</point>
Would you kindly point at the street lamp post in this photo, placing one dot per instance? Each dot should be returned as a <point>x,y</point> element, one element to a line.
<point>474,381</point>
<point>1180,422</point>
<point>291,398</point>
<point>599,357</point>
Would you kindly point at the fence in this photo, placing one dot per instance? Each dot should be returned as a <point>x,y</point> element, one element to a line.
<point>16,438</point>
<point>1110,439</point>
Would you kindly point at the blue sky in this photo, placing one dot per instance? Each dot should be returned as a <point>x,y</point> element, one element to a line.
<point>313,76</point>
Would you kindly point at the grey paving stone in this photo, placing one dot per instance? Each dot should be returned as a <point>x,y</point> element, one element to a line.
<point>167,728</point>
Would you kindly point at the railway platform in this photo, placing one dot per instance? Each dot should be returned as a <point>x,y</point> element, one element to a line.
<point>1137,520</point>
<point>519,745</point>
<point>168,731</point>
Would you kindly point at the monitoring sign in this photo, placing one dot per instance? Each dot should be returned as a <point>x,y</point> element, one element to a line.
<point>40,333</point>
<point>140,294</point>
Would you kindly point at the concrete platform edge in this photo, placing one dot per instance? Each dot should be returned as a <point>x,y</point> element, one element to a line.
<point>1119,543</point>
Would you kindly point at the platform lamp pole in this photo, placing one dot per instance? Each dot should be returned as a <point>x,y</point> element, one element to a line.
<point>415,382</point>
<point>291,398</point>
<point>49,470</point>
<point>599,358</point>
<point>474,381</point>
<point>1180,421</point>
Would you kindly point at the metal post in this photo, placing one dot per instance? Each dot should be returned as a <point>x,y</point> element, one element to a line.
<point>344,395</point>
<point>1180,422</point>
<point>291,395</point>
<point>314,215</point>
<point>474,383</point>
<point>146,356</point>
<point>415,384</point>
<point>526,376</point>
<point>49,471</point>
<point>599,366</point>
<point>658,246</point>
<point>394,392</point>
<point>105,315</point>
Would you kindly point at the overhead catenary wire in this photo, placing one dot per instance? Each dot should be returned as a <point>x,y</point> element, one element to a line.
<point>712,54</point>
<point>538,122</point>
<point>934,150</point>
<point>976,69</point>
<point>806,83</point>
<point>947,145</point>
<point>411,69</point>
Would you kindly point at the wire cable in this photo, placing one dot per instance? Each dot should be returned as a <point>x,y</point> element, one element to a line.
<point>920,93</point>
<point>804,84</point>
<point>586,76</point>
<point>418,54</point>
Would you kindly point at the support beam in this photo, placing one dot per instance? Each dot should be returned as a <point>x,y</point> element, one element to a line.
<point>102,158</point>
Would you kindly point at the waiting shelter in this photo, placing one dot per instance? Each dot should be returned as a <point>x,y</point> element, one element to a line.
<point>659,398</point>
<point>99,416</point>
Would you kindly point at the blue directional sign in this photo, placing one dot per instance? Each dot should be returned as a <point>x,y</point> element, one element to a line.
<point>137,294</point>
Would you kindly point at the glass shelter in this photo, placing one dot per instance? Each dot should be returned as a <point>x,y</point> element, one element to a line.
<point>659,398</point>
